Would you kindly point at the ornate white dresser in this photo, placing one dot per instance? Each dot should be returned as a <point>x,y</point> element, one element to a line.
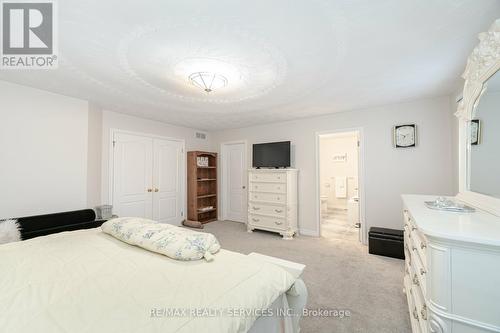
<point>452,264</point>
<point>452,268</point>
<point>272,201</point>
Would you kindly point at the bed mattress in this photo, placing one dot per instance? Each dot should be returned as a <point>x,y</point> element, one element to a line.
<point>88,281</point>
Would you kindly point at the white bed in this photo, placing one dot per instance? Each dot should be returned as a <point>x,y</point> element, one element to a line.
<point>88,281</point>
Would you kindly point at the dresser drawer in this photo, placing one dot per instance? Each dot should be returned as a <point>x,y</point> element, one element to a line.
<point>412,308</point>
<point>419,276</point>
<point>276,177</point>
<point>267,222</point>
<point>266,209</point>
<point>419,245</point>
<point>275,198</point>
<point>268,187</point>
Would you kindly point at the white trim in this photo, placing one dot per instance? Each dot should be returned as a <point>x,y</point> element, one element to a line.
<point>361,182</point>
<point>223,176</point>
<point>308,232</point>
<point>113,131</point>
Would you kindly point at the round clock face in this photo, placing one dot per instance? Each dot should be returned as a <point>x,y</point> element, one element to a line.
<point>405,136</point>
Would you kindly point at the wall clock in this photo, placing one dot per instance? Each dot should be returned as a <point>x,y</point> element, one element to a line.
<point>405,136</point>
<point>475,132</point>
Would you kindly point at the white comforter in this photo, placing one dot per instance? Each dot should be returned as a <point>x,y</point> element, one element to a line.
<point>88,281</point>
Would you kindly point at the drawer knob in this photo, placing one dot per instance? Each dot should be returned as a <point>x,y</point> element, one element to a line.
<point>422,246</point>
<point>423,312</point>
<point>278,223</point>
<point>278,211</point>
<point>415,280</point>
<point>422,271</point>
<point>415,313</point>
<point>255,220</point>
<point>256,208</point>
<point>414,248</point>
<point>413,228</point>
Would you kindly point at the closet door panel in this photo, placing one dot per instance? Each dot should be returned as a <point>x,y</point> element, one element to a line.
<point>132,176</point>
<point>167,178</point>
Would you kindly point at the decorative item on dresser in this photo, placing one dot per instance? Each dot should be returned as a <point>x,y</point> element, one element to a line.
<point>272,201</point>
<point>202,186</point>
<point>451,268</point>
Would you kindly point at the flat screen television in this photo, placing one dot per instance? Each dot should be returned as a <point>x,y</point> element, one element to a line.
<point>271,155</point>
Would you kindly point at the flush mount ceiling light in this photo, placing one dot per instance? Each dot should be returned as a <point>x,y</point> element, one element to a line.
<point>208,81</point>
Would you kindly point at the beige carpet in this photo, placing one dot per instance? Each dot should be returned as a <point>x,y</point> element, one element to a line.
<point>339,275</point>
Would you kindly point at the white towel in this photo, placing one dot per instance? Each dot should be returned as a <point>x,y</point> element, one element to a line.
<point>341,187</point>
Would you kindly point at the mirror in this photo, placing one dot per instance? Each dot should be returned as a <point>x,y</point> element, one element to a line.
<point>483,142</point>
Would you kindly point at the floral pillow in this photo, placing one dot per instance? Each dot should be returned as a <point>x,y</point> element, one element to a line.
<point>174,242</point>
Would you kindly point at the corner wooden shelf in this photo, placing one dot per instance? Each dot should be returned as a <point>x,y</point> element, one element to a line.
<point>202,187</point>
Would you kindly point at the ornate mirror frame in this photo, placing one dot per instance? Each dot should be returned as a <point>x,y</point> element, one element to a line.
<point>482,64</point>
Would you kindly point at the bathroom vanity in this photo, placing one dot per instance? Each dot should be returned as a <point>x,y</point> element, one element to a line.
<point>452,265</point>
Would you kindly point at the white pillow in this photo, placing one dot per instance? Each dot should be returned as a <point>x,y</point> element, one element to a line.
<point>174,242</point>
<point>9,231</point>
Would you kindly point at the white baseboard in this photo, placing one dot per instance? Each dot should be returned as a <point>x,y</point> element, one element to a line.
<point>307,232</point>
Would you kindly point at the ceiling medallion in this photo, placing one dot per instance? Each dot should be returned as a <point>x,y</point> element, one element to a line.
<point>208,81</point>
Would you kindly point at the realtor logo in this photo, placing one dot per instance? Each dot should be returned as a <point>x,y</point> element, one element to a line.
<point>28,35</point>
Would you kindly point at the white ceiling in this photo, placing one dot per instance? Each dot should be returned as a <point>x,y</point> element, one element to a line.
<point>284,59</point>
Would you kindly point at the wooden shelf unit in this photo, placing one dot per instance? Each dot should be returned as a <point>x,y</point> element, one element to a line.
<point>202,187</point>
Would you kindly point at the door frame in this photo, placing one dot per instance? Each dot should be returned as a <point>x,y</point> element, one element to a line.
<point>111,157</point>
<point>224,176</point>
<point>361,179</point>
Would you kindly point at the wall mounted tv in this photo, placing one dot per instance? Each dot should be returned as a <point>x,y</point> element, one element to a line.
<point>271,155</point>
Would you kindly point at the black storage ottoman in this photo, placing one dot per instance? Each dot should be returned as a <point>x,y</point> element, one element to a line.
<point>386,242</point>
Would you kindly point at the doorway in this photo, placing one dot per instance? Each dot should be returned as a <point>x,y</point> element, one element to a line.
<point>234,181</point>
<point>148,177</point>
<point>340,185</point>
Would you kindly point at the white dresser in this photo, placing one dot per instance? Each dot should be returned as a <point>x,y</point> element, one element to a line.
<point>272,201</point>
<point>452,269</point>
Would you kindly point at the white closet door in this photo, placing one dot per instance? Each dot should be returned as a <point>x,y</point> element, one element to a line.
<point>236,182</point>
<point>168,173</point>
<point>132,176</point>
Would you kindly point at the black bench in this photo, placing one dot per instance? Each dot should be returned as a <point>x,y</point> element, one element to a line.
<point>42,225</point>
<point>386,242</point>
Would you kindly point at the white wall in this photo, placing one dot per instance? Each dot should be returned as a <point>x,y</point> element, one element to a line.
<point>114,120</point>
<point>94,161</point>
<point>43,152</point>
<point>54,150</point>
<point>389,172</point>
<point>330,169</point>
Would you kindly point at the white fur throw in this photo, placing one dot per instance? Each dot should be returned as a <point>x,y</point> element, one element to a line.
<point>9,231</point>
<point>174,242</point>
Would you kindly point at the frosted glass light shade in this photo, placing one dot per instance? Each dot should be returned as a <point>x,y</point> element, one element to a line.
<point>208,81</point>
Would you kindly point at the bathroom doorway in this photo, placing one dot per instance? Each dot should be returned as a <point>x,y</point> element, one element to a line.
<point>339,170</point>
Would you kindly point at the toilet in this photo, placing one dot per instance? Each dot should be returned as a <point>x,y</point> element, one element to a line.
<point>324,205</point>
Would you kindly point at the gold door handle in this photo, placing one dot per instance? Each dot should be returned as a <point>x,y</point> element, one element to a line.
<point>157,190</point>
<point>150,190</point>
